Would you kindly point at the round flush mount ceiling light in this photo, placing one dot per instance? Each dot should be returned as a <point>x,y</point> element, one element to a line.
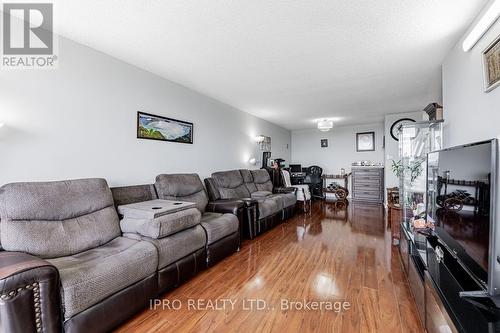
<point>325,125</point>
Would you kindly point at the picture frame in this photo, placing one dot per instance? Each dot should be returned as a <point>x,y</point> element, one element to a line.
<point>491,65</point>
<point>154,127</point>
<point>324,143</point>
<point>365,141</point>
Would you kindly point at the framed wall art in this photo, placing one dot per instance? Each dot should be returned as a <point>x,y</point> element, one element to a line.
<point>491,65</point>
<point>153,127</point>
<point>365,141</point>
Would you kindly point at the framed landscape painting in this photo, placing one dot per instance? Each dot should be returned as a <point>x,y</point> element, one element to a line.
<point>152,127</point>
<point>491,64</point>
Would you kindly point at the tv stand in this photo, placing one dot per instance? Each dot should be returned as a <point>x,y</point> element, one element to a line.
<point>448,299</point>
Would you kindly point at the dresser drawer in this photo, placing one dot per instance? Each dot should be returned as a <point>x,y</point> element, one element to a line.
<point>367,180</point>
<point>369,195</point>
<point>367,173</point>
<point>372,187</point>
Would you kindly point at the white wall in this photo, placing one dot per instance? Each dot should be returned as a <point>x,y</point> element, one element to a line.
<point>341,151</point>
<point>80,121</point>
<point>392,146</point>
<point>470,113</point>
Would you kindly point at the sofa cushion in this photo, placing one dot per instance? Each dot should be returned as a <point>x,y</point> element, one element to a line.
<point>91,276</point>
<point>289,199</point>
<point>54,219</point>
<point>248,180</point>
<point>176,246</point>
<point>219,226</point>
<point>182,187</point>
<point>230,184</point>
<point>269,206</point>
<point>261,194</point>
<point>162,226</point>
<point>262,180</point>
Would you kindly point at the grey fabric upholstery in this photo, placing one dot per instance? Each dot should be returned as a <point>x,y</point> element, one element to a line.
<point>54,219</point>
<point>176,246</point>
<point>131,194</point>
<point>261,194</point>
<point>248,180</point>
<point>289,199</point>
<point>269,206</point>
<point>219,226</point>
<point>89,277</point>
<point>162,226</point>
<point>262,180</point>
<point>213,191</point>
<point>230,184</point>
<point>182,187</point>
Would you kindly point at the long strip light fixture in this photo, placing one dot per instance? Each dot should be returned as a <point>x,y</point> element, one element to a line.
<point>489,17</point>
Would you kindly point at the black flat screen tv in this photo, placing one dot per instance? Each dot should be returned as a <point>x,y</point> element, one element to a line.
<point>461,199</point>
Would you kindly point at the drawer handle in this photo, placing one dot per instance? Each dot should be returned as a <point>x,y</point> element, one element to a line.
<point>439,254</point>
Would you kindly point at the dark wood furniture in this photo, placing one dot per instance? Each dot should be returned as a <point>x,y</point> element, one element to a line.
<point>368,184</point>
<point>340,192</point>
<point>394,216</point>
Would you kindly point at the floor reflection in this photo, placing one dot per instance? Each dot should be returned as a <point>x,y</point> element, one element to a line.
<point>338,252</point>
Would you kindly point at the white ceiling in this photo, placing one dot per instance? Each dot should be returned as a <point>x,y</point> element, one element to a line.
<point>287,61</point>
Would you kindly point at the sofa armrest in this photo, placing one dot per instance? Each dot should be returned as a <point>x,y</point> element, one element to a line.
<point>232,206</point>
<point>249,202</point>
<point>285,190</point>
<point>29,294</point>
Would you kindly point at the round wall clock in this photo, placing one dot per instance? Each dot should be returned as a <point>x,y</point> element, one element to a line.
<point>396,124</point>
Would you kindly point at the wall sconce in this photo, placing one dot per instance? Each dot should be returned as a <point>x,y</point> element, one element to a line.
<point>252,161</point>
<point>1,124</point>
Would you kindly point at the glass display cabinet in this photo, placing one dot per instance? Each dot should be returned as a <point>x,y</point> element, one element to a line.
<point>415,141</point>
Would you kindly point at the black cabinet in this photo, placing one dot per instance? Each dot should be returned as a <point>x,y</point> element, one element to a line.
<point>448,278</point>
<point>436,279</point>
<point>437,319</point>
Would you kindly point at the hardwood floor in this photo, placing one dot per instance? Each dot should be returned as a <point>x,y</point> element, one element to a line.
<point>335,255</point>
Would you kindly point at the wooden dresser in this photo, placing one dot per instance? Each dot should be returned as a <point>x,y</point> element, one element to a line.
<point>368,184</point>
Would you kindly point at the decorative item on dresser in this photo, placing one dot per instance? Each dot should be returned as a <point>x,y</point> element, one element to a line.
<point>368,183</point>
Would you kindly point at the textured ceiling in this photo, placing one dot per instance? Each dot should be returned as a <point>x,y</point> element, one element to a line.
<point>289,62</point>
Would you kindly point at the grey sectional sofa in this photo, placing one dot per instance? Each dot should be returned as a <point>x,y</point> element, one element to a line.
<point>65,265</point>
<point>219,219</point>
<point>65,262</point>
<point>266,205</point>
